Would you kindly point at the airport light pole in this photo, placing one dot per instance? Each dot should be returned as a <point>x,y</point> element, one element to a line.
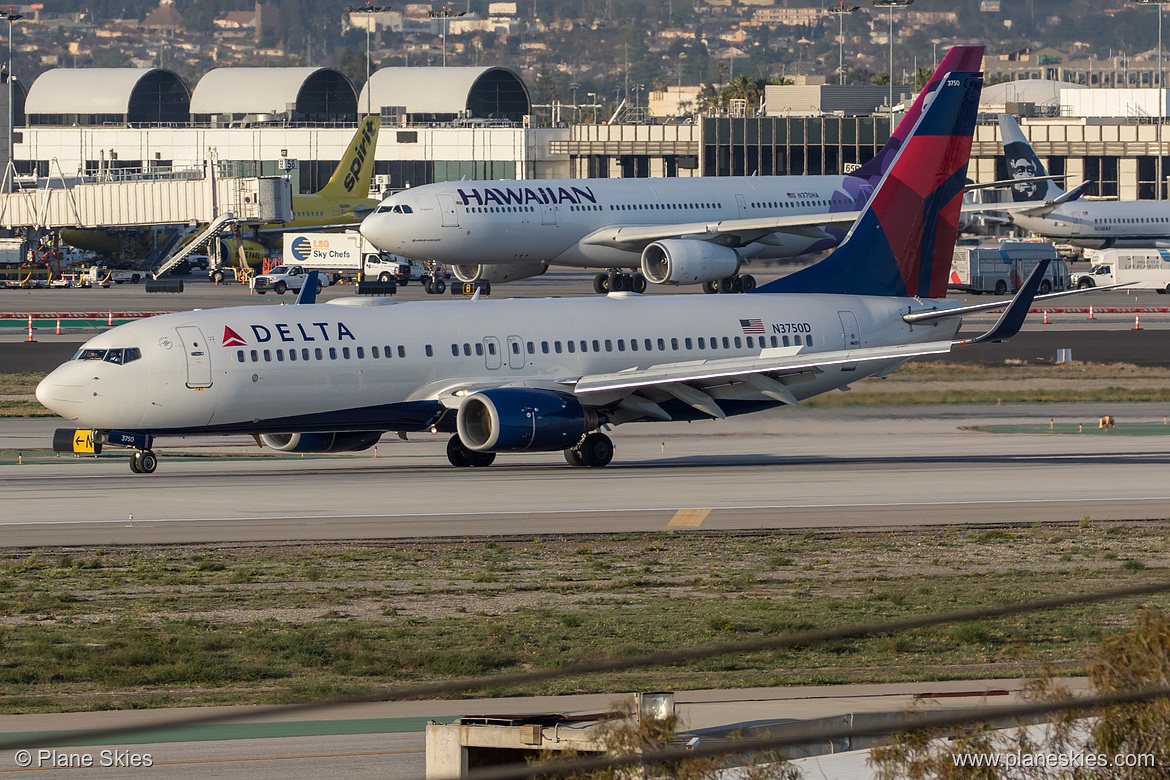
<point>11,16</point>
<point>840,11</point>
<point>369,10</point>
<point>1162,99</point>
<point>890,5</point>
<point>445,14</point>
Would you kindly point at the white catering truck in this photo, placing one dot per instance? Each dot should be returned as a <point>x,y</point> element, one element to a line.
<point>1002,267</point>
<point>1145,269</point>
<point>343,255</point>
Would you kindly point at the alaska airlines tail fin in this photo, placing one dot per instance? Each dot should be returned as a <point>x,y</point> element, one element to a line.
<point>1023,163</point>
<point>356,171</point>
<point>903,241</point>
<point>966,59</point>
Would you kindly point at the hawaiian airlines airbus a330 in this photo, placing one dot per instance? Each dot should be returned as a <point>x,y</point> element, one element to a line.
<point>547,374</point>
<point>676,231</point>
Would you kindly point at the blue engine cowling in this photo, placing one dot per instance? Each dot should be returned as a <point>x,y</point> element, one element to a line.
<point>518,419</point>
<point>321,442</point>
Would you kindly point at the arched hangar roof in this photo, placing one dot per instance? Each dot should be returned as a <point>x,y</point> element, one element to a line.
<point>138,94</point>
<point>310,94</point>
<point>486,93</point>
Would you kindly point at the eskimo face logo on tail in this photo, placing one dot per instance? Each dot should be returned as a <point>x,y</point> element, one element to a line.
<point>1023,164</point>
<point>232,339</point>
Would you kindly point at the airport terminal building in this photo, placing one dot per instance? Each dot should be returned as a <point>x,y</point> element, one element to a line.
<point>444,124</point>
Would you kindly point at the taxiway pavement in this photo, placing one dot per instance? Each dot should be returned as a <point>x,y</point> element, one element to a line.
<point>797,468</point>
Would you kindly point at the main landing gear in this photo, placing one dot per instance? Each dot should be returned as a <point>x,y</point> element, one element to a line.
<point>594,450</point>
<point>143,462</point>
<point>732,284</point>
<point>618,281</point>
<point>462,457</point>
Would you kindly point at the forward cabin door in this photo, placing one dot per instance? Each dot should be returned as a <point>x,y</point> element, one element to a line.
<point>850,335</point>
<point>198,356</point>
<point>450,214</point>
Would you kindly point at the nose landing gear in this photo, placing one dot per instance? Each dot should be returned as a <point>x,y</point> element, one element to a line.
<point>143,462</point>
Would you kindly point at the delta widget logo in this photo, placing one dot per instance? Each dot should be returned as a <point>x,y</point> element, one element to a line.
<point>232,339</point>
<point>302,248</point>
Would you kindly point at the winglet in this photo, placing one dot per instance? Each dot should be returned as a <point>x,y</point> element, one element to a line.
<point>1012,319</point>
<point>309,290</point>
<point>1072,194</point>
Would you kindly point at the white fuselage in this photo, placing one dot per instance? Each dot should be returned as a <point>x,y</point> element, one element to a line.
<point>551,221</point>
<point>372,364</point>
<point>1103,223</point>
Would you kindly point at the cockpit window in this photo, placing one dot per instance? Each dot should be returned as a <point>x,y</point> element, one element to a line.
<point>407,209</point>
<point>118,356</point>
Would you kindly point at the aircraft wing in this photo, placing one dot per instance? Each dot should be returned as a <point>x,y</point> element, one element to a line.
<point>635,238</point>
<point>637,393</point>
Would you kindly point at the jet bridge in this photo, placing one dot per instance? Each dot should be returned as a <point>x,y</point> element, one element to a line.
<point>146,199</point>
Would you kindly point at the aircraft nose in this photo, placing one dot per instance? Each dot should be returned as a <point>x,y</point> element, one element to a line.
<point>58,394</point>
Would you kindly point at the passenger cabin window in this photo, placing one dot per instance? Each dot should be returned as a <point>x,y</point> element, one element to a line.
<point>318,354</point>
<point>401,351</point>
<point>429,350</point>
<point>479,349</point>
<point>333,353</point>
<point>240,355</point>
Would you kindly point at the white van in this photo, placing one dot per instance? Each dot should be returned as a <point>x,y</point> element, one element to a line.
<point>1141,269</point>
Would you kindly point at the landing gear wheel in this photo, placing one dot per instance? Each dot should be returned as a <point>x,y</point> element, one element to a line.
<point>217,277</point>
<point>710,287</point>
<point>481,459</point>
<point>601,284</point>
<point>639,284</point>
<point>748,282</point>
<point>728,285</point>
<point>458,454</point>
<point>143,462</point>
<point>596,450</point>
<point>439,286</point>
<point>573,458</point>
<point>615,282</point>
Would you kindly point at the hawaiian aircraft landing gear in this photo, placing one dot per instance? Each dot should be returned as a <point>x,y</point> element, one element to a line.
<point>143,462</point>
<point>618,281</point>
<point>462,457</point>
<point>594,450</point>
<point>732,284</point>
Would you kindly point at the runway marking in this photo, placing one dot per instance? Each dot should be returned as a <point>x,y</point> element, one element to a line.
<point>594,511</point>
<point>688,518</point>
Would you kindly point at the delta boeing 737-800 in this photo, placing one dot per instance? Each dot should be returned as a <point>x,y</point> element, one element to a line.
<point>697,230</point>
<point>547,374</point>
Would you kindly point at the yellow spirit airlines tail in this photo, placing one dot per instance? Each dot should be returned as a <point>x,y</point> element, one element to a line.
<point>356,170</point>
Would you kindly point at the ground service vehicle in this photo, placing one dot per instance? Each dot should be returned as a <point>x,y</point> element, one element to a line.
<point>1146,269</point>
<point>284,278</point>
<point>344,255</point>
<point>100,275</point>
<point>1002,267</point>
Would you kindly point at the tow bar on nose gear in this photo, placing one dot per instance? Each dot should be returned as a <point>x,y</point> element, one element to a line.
<point>83,442</point>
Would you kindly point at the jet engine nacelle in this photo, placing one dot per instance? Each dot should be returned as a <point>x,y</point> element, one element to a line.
<point>519,419</point>
<point>688,261</point>
<point>321,442</point>
<point>498,273</point>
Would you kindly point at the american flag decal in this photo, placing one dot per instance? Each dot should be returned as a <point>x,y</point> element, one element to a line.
<point>751,326</point>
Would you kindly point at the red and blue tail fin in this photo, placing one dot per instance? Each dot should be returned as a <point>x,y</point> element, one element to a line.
<point>960,59</point>
<point>902,243</point>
